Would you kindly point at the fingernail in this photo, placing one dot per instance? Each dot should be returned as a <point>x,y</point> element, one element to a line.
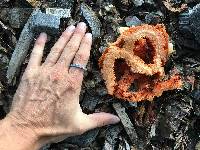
<point>88,35</point>
<point>43,35</point>
<point>70,28</point>
<point>81,25</point>
<point>115,119</point>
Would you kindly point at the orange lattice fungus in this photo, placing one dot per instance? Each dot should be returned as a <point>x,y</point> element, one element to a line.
<point>136,60</point>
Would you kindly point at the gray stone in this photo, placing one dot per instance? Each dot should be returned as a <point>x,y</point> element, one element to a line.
<point>41,22</point>
<point>37,22</point>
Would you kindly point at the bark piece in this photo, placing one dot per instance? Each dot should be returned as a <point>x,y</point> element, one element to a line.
<point>111,136</point>
<point>126,122</point>
<point>92,20</point>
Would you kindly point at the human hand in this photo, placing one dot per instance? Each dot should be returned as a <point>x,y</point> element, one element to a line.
<point>46,104</point>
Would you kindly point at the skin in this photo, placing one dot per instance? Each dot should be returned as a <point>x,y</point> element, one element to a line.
<point>46,105</point>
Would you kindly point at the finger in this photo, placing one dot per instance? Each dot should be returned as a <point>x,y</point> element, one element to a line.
<point>59,46</point>
<point>98,120</point>
<point>37,52</point>
<point>73,45</point>
<point>82,55</point>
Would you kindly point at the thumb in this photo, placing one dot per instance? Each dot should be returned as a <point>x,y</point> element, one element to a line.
<point>100,119</point>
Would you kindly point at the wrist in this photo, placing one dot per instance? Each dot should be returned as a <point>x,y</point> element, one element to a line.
<point>15,135</point>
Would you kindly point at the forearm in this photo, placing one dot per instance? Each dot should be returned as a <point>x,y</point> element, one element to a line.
<point>14,137</point>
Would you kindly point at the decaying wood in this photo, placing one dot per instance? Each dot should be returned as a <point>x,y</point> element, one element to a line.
<point>92,20</point>
<point>126,122</point>
<point>111,136</point>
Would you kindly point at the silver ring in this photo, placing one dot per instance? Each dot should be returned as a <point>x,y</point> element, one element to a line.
<point>78,66</point>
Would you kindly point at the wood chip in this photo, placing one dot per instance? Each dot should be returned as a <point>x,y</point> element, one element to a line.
<point>34,3</point>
